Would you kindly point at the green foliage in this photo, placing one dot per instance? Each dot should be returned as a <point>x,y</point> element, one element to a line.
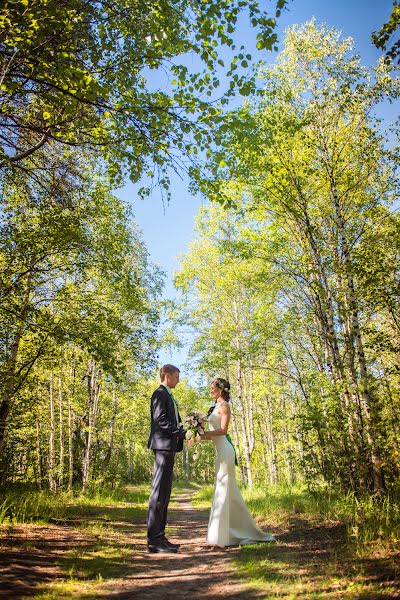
<point>383,38</point>
<point>76,271</point>
<point>79,306</point>
<point>239,331</point>
<point>82,74</point>
<point>301,262</point>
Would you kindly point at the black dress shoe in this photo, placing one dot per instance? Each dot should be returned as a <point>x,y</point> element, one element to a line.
<point>171,544</point>
<point>161,546</point>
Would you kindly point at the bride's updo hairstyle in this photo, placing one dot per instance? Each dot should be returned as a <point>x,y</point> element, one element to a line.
<point>224,386</point>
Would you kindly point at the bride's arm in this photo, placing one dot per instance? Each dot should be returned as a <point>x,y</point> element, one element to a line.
<point>225,414</point>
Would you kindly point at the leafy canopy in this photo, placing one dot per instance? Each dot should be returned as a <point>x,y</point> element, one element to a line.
<point>112,76</point>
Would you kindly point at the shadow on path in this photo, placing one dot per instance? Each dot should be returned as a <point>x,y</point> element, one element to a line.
<point>34,557</point>
<point>96,557</point>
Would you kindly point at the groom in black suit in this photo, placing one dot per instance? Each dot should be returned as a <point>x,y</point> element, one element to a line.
<point>166,438</point>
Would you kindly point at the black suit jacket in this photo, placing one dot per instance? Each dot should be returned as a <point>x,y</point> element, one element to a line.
<point>166,433</point>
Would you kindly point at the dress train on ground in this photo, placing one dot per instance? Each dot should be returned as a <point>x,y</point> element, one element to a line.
<point>230,522</point>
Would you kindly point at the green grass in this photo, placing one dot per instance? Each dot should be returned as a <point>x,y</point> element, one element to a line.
<point>202,498</point>
<point>336,545</point>
<point>104,527</point>
<point>21,506</point>
<point>368,519</point>
<point>329,545</point>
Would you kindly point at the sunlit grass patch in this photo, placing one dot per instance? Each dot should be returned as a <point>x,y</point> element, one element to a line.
<point>22,506</point>
<point>103,550</point>
<point>202,498</point>
<point>283,503</point>
<point>183,484</point>
<point>72,588</point>
<point>366,519</point>
<point>331,546</point>
<point>99,562</point>
<point>296,578</point>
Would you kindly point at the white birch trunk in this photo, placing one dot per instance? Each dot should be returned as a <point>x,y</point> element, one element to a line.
<point>61,425</point>
<point>52,452</point>
<point>131,450</point>
<point>93,400</point>
<point>38,455</point>
<point>70,425</point>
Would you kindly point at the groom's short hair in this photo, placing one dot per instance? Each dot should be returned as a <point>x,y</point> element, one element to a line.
<point>170,369</point>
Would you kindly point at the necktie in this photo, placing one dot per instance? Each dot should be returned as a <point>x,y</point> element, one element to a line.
<point>175,407</point>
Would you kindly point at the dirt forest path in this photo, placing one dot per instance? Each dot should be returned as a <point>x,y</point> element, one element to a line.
<point>195,572</point>
<point>106,557</point>
<point>30,559</point>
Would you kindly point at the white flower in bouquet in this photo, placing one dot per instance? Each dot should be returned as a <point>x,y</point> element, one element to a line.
<point>194,424</point>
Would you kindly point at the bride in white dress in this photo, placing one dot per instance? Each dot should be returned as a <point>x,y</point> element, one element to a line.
<point>230,521</point>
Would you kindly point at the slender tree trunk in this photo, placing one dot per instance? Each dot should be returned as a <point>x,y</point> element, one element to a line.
<point>88,433</point>
<point>70,446</point>
<point>235,428</point>
<point>61,425</point>
<point>237,446</point>
<point>245,440</point>
<point>131,450</point>
<point>93,399</point>
<point>111,441</point>
<point>377,476</point>
<point>52,452</point>
<point>288,450</point>
<point>70,426</point>
<point>38,456</point>
<point>264,454</point>
<point>9,382</point>
<point>244,414</point>
<point>273,465</point>
<point>187,463</point>
<point>395,416</point>
<point>250,412</point>
<point>8,386</point>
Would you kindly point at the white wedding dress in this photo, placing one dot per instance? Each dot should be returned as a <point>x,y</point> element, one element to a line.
<point>230,521</point>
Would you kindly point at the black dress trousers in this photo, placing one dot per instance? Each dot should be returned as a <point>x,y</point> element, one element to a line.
<point>160,494</point>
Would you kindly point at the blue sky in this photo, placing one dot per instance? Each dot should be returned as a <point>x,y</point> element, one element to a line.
<point>168,229</point>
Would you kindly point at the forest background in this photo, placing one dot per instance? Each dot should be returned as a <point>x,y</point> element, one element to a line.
<point>289,288</point>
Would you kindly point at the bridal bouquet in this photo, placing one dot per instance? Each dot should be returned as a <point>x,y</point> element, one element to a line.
<point>194,424</point>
